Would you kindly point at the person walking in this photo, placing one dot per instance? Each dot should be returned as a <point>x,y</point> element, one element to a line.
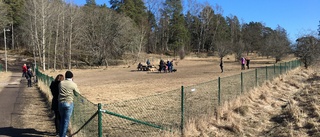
<point>67,90</point>
<point>221,65</point>
<point>29,75</point>
<point>54,87</point>
<point>24,70</point>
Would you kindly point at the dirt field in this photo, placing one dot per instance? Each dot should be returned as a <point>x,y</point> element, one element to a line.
<point>114,84</point>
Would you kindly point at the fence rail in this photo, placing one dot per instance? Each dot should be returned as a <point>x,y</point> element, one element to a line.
<point>149,116</point>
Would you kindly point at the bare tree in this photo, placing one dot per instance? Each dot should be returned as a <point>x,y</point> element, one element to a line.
<point>60,11</point>
<point>40,12</point>
<point>308,49</point>
<point>74,27</point>
<point>224,48</point>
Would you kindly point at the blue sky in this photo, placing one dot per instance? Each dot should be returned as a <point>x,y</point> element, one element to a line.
<point>298,17</point>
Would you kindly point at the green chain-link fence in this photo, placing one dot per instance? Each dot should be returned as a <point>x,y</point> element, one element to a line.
<point>149,116</point>
<point>1,68</point>
<point>84,119</point>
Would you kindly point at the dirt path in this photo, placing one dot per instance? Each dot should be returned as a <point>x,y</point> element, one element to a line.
<point>23,111</point>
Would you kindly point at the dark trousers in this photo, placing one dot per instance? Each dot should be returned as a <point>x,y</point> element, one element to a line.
<point>29,82</point>
<point>57,121</point>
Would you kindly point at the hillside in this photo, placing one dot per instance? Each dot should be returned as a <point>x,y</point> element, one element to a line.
<point>287,106</point>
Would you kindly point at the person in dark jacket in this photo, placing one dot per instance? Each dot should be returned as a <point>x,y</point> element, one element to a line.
<point>221,65</point>
<point>29,75</point>
<point>54,87</point>
<point>162,66</point>
<point>248,62</point>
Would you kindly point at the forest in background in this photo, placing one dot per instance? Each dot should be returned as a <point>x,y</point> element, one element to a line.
<point>62,35</point>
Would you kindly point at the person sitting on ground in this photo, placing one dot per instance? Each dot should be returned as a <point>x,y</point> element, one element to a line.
<point>148,62</point>
<point>169,64</point>
<point>139,66</point>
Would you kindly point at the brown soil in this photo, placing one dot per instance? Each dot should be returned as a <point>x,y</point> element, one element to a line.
<point>119,83</point>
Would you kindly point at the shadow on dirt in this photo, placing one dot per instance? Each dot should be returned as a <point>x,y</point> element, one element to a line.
<point>17,132</point>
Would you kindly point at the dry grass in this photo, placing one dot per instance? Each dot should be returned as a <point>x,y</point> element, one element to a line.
<point>120,83</point>
<point>116,84</point>
<point>287,106</point>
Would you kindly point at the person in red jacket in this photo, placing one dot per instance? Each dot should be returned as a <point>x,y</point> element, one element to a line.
<point>24,70</point>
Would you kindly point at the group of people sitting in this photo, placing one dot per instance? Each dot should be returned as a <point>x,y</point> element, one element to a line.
<point>166,66</point>
<point>147,67</point>
<point>163,66</point>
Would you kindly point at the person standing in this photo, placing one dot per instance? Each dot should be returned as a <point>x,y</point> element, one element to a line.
<point>24,70</point>
<point>54,87</point>
<point>29,75</point>
<point>248,62</point>
<point>67,90</point>
<point>221,65</point>
<point>243,62</point>
<point>161,66</point>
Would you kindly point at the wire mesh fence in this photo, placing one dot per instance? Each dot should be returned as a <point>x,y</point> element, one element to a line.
<point>82,121</point>
<point>151,115</point>
<point>161,111</point>
<point>200,99</point>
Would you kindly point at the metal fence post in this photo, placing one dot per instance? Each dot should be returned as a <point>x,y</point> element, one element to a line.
<point>266,72</point>
<point>219,92</point>
<point>274,70</point>
<point>300,63</point>
<point>280,69</point>
<point>290,65</point>
<point>182,110</point>
<point>99,120</point>
<point>285,64</point>
<point>241,82</point>
<point>256,75</point>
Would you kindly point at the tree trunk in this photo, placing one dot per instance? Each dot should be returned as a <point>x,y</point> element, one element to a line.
<point>43,27</point>
<point>56,43</point>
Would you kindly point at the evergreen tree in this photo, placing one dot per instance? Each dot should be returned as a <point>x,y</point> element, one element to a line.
<point>252,36</point>
<point>14,18</point>
<point>235,36</point>
<point>90,3</point>
<point>115,4</point>
<point>178,32</point>
<point>3,15</point>
<point>15,8</point>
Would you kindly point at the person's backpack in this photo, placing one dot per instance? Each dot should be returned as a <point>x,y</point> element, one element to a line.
<point>30,73</point>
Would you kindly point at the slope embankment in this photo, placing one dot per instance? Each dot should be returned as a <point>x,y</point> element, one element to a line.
<point>286,106</point>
